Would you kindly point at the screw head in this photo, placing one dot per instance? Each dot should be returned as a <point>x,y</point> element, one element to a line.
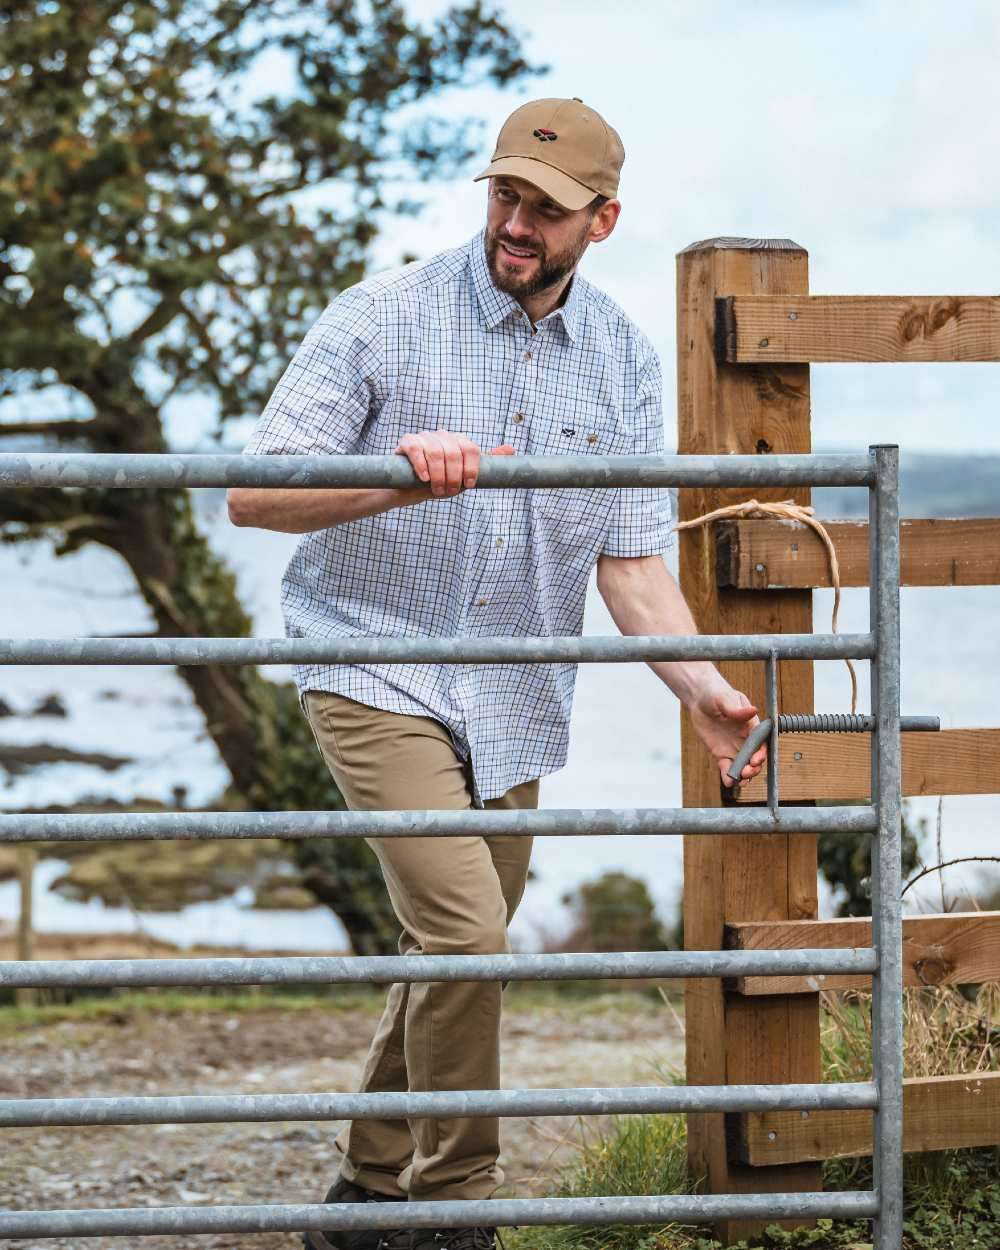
<point>793,316</point>
<point>798,755</point>
<point>763,343</point>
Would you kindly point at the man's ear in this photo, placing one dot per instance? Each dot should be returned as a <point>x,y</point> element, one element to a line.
<point>604,220</point>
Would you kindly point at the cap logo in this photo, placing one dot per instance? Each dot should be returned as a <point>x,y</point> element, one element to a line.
<point>542,134</point>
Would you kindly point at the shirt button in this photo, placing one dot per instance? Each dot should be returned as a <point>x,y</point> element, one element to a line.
<point>591,438</point>
<point>518,417</point>
<point>480,603</point>
<point>499,542</point>
<point>527,355</point>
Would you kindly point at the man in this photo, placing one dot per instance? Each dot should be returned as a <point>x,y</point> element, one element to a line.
<point>497,344</point>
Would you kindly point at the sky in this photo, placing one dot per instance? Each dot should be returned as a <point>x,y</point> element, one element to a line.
<point>866,132</point>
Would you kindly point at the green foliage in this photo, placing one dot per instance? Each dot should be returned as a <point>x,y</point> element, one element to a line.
<point>614,913</point>
<point>846,864</point>
<point>153,245</point>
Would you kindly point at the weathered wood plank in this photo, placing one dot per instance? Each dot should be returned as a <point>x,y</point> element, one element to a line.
<point>956,948</point>
<point>772,554</point>
<point>766,329</point>
<point>758,410</point>
<point>939,1113</point>
<point>837,766</point>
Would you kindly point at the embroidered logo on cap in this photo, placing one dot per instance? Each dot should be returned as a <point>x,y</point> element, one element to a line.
<point>542,134</point>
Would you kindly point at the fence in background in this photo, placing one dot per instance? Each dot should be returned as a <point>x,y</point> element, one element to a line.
<point>762,828</point>
<point>747,329</point>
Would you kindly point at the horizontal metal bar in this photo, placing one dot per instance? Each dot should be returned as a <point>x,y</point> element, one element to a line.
<point>245,1108</point>
<point>474,822</point>
<point>491,1212</point>
<point>130,470</point>
<point>372,649</point>
<point>386,969</point>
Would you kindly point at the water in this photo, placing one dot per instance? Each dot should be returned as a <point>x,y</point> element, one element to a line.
<point>625,743</point>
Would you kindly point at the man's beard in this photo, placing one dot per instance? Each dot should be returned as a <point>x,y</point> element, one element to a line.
<point>551,269</point>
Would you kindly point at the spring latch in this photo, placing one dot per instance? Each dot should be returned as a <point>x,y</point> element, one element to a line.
<point>776,723</point>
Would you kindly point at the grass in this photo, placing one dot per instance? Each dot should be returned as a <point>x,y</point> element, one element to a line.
<point>55,1007</point>
<point>952,1198</point>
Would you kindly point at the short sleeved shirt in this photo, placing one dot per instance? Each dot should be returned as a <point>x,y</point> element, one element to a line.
<point>436,345</point>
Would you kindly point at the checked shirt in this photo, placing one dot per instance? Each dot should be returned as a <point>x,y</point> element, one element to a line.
<point>435,345</point>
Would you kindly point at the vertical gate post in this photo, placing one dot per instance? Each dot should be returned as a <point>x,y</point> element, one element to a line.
<point>887,885</point>
<point>748,409</point>
<point>25,917</point>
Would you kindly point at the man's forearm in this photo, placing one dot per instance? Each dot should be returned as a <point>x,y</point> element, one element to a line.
<point>303,511</point>
<point>643,598</point>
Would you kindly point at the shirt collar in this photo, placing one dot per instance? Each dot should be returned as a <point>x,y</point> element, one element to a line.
<point>496,306</point>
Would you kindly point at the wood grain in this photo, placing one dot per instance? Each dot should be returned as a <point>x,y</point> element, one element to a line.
<point>773,554</point>
<point>753,410</point>
<point>939,1113</point>
<point>957,948</point>
<point>759,328</point>
<point>838,766</point>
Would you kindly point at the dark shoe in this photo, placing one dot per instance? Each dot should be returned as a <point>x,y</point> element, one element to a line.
<point>455,1239</point>
<point>364,1239</point>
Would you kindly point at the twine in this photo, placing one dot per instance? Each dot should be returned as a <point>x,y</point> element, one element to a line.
<point>787,510</point>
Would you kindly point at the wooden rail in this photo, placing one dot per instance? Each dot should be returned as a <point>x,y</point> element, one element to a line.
<point>773,554</point>
<point>956,948</point>
<point>939,1113</point>
<point>837,766</point>
<point>766,328</point>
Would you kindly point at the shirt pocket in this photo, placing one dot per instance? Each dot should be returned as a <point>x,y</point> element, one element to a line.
<point>578,513</point>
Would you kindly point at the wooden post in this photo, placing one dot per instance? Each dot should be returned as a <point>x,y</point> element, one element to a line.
<point>751,409</point>
<point>25,933</point>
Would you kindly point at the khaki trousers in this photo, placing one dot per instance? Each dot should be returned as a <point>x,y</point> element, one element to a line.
<point>451,896</point>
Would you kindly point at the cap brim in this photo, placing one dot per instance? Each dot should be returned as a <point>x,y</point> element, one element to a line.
<point>561,187</point>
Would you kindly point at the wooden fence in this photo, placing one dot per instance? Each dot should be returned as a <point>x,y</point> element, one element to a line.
<point>747,331</point>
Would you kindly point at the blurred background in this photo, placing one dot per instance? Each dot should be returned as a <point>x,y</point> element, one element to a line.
<point>185,186</point>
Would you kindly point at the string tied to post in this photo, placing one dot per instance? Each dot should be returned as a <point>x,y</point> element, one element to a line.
<point>787,510</point>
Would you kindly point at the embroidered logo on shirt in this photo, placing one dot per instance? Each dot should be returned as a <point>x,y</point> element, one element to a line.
<point>568,431</point>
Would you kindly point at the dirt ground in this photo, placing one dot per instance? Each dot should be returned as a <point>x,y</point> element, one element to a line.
<point>585,1042</point>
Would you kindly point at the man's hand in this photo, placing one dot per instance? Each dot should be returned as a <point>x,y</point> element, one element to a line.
<point>449,462</point>
<point>723,717</point>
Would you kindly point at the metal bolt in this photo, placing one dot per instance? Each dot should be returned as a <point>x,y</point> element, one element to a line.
<point>798,755</point>
<point>763,343</point>
<point>804,1115</point>
<point>772,1136</point>
<point>759,568</point>
<point>793,316</point>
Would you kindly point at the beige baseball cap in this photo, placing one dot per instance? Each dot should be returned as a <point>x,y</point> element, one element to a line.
<point>561,146</point>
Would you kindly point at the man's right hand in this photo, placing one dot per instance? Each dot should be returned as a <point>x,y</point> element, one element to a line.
<point>448,462</point>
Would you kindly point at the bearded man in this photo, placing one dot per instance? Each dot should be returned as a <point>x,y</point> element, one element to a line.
<point>498,344</point>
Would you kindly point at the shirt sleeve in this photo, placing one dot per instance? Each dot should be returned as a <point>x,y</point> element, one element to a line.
<point>641,524</point>
<point>331,386</point>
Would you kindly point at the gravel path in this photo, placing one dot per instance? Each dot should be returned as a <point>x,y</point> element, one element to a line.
<point>590,1042</point>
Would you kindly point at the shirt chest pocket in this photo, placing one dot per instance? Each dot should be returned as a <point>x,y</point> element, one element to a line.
<point>592,431</point>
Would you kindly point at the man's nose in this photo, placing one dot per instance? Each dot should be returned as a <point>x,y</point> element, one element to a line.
<point>520,222</point>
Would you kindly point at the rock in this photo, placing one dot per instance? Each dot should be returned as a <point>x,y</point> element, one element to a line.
<point>51,705</point>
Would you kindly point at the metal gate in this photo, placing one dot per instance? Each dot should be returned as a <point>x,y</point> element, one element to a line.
<point>878,471</point>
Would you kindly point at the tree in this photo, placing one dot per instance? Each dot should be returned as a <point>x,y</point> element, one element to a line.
<point>151,248</point>
<point>846,864</point>
<point>614,913</point>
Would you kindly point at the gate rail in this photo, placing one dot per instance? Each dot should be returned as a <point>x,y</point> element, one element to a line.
<point>879,472</point>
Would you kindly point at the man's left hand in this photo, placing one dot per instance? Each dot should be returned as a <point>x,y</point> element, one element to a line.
<point>723,717</point>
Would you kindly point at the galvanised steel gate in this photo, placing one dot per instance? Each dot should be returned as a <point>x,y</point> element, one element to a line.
<point>879,472</point>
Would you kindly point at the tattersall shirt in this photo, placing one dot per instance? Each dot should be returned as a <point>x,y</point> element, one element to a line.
<point>436,345</point>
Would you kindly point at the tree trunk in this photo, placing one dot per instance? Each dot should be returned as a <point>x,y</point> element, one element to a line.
<point>261,734</point>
